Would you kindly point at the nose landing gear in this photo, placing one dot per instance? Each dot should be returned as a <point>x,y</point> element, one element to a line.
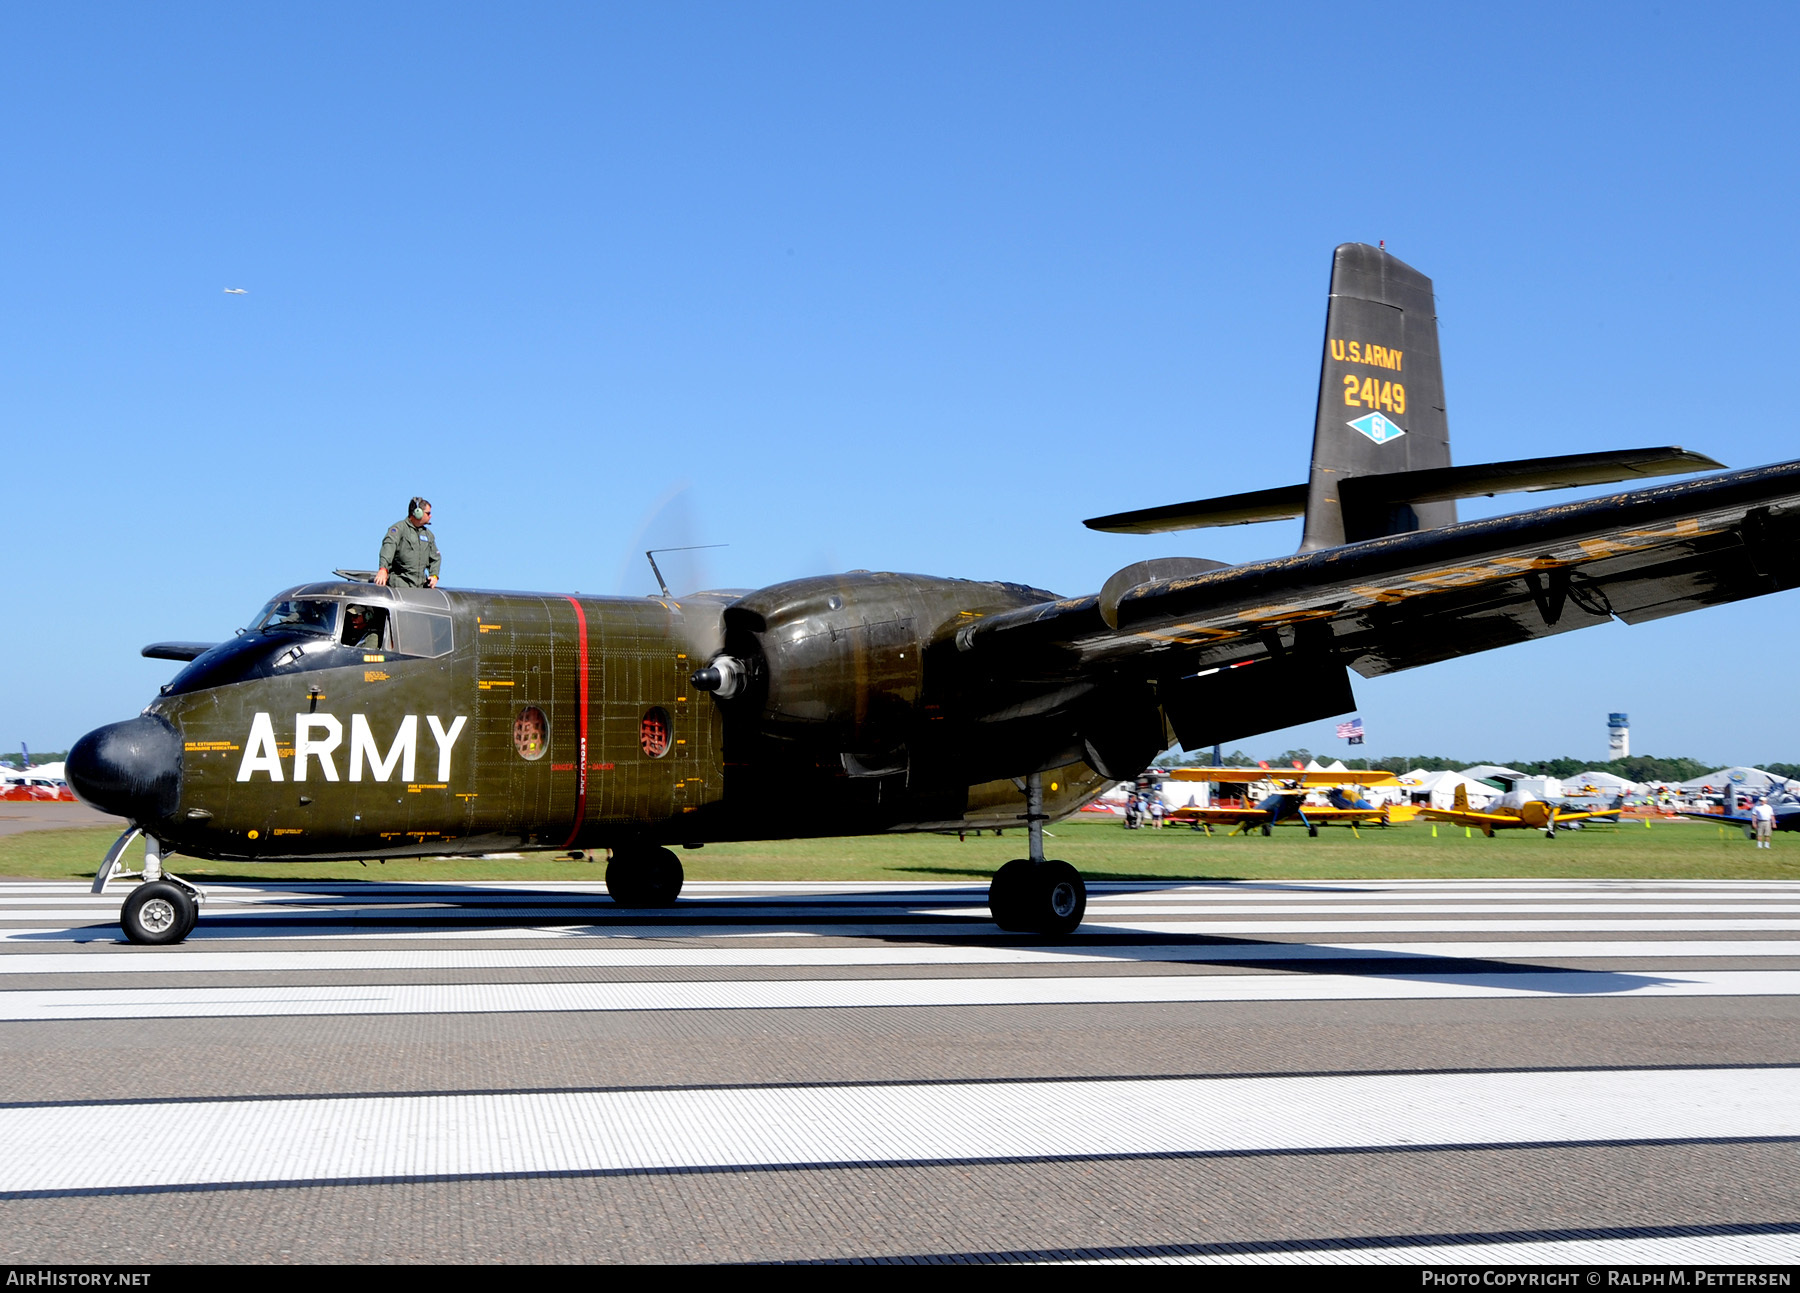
<point>163,909</point>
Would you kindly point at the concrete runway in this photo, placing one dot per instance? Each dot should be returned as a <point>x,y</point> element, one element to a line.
<point>1407,1071</point>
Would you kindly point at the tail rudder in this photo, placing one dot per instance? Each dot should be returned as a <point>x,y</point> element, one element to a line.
<point>1381,398</point>
<point>1461,802</point>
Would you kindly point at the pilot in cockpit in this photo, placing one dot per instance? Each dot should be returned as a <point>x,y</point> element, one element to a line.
<point>362,627</point>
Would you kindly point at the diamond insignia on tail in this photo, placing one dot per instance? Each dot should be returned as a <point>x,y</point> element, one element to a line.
<point>1378,428</point>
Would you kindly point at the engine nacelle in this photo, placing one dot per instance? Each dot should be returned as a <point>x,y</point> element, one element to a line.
<point>835,663</point>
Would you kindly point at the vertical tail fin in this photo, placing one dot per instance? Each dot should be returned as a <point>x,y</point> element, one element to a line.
<point>1381,397</point>
<point>1461,802</point>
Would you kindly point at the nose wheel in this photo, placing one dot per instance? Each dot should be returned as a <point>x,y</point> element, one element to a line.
<point>159,912</point>
<point>164,908</point>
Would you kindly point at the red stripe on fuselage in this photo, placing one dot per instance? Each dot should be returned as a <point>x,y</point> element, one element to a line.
<point>581,764</point>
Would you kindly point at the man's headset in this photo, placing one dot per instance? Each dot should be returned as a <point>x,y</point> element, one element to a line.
<point>417,508</point>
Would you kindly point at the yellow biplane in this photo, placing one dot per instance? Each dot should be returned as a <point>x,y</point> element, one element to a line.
<point>1286,804</point>
<point>1514,810</point>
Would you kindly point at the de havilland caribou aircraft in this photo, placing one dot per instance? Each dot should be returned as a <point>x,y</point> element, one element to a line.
<point>470,722</point>
<point>1286,804</point>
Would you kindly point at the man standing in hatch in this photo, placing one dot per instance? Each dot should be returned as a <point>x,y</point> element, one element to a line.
<point>409,553</point>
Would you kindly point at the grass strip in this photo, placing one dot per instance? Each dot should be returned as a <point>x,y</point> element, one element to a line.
<point>1101,850</point>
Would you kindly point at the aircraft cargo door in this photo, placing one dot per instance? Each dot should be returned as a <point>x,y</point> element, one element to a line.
<point>527,737</point>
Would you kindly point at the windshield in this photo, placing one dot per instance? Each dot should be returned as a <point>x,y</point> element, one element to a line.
<point>297,614</point>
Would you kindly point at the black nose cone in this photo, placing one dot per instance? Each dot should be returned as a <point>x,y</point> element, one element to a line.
<point>130,769</point>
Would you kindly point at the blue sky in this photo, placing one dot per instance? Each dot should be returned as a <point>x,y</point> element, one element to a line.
<point>909,287</point>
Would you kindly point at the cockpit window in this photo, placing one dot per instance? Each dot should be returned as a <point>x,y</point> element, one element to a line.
<point>365,627</point>
<point>298,614</point>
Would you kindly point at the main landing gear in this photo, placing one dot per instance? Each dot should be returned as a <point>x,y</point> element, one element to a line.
<point>164,908</point>
<point>644,876</point>
<point>1033,895</point>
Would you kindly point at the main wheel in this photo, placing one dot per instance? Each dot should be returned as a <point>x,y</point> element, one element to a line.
<point>158,912</point>
<point>650,877</point>
<point>1038,897</point>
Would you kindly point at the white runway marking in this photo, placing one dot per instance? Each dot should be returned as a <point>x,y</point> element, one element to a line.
<point>187,961</point>
<point>528,931</point>
<point>1177,903</point>
<point>111,1146</point>
<point>803,994</point>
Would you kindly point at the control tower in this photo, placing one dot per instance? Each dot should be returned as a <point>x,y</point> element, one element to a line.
<point>1618,736</point>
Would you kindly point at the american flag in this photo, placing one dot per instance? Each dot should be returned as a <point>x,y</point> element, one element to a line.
<point>1351,731</point>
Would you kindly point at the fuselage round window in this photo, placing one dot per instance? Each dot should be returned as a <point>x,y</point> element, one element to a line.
<point>653,733</point>
<point>531,733</point>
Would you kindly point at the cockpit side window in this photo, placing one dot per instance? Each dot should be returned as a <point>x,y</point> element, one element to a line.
<point>366,627</point>
<point>298,615</point>
<point>422,633</point>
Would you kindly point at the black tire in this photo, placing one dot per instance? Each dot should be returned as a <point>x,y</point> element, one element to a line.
<point>1312,830</point>
<point>158,913</point>
<point>1005,893</point>
<point>649,877</point>
<point>1056,899</point>
<point>1037,897</point>
<point>1268,828</point>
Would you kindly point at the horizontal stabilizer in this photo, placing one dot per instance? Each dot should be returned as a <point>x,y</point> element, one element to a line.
<point>1442,484</point>
<point>177,650</point>
<point>1377,493</point>
<point>1233,509</point>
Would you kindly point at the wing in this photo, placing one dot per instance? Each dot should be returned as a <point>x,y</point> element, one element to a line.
<point>1250,775</point>
<point>1562,817</point>
<point>1218,814</point>
<point>1394,603</point>
<point>1471,818</point>
<point>1724,819</point>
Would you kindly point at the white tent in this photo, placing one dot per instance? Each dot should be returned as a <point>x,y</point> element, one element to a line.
<point>1440,787</point>
<point>1603,784</point>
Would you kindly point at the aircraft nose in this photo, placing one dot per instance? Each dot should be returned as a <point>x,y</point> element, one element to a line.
<point>130,769</point>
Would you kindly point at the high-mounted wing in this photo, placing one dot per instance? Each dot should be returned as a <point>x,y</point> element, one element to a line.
<point>1401,601</point>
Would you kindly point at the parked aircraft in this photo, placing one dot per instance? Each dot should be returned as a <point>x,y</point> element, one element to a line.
<point>1286,803</point>
<point>1513,810</point>
<point>1736,811</point>
<point>477,721</point>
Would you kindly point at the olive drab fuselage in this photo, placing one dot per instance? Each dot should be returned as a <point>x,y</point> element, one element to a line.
<point>494,721</point>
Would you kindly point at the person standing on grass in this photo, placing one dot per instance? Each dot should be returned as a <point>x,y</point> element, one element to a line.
<point>1763,818</point>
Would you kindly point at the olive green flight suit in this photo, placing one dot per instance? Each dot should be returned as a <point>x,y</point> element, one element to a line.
<point>409,555</point>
